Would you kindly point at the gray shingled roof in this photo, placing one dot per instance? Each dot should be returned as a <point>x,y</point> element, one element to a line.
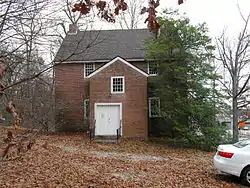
<point>103,45</point>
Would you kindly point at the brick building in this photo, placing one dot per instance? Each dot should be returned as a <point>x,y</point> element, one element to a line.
<point>101,80</point>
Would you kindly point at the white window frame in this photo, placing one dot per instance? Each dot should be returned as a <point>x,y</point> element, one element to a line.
<point>155,74</point>
<point>85,108</point>
<point>123,84</point>
<point>150,108</point>
<point>85,69</point>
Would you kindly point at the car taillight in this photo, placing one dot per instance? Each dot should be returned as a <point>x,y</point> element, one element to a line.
<point>225,154</point>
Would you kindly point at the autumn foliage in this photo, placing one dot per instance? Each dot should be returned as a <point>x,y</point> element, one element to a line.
<point>11,108</point>
<point>103,9</point>
<point>18,140</point>
<point>70,160</point>
<point>107,13</point>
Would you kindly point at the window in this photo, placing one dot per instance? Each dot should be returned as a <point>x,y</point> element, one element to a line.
<point>88,68</point>
<point>86,108</point>
<point>242,144</point>
<point>154,107</point>
<point>117,84</point>
<point>153,68</point>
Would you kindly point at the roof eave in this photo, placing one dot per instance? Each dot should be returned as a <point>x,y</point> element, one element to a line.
<point>95,61</point>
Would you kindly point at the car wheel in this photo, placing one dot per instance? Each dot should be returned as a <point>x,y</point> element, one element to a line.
<point>245,176</point>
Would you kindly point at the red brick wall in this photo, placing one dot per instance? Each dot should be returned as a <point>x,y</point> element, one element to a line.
<point>71,88</point>
<point>69,91</point>
<point>134,100</point>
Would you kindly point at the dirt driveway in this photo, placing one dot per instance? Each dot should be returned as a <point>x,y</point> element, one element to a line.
<point>71,161</point>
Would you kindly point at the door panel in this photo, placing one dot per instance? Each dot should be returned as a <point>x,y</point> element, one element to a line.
<point>107,119</point>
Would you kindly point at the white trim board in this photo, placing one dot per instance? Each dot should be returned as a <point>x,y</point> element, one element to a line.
<point>110,104</point>
<point>113,61</point>
<point>92,61</point>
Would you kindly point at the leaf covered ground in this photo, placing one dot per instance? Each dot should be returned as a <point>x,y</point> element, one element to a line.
<point>70,160</point>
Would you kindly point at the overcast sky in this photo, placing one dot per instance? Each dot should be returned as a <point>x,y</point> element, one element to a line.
<point>218,14</point>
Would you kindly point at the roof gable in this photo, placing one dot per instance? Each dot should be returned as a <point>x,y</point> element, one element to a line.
<point>115,60</point>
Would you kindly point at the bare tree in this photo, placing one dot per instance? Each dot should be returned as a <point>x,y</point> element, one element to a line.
<point>235,57</point>
<point>32,31</point>
<point>11,12</point>
<point>28,32</point>
<point>59,22</point>
<point>132,17</point>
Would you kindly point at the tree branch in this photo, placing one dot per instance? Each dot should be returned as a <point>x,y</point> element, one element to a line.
<point>229,92</point>
<point>53,65</point>
<point>244,105</point>
<point>243,89</point>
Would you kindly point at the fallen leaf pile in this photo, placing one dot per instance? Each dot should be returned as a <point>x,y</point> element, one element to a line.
<point>71,160</point>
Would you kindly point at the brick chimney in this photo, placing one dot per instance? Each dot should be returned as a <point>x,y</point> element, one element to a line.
<point>73,29</point>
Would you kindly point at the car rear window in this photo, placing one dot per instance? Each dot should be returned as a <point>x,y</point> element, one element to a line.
<point>242,144</point>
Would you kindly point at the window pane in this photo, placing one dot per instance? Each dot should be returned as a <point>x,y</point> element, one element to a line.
<point>154,107</point>
<point>89,68</point>
<point>117,84</point>
<point>153,68</point>
<point>242,144</point>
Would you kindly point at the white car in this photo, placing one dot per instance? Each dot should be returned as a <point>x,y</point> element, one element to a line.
<point>234,159</point>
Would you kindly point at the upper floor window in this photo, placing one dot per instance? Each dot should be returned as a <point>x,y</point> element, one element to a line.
<point>153,68</point>
<point>117,84</point>
<point>154,107</point>
<point>88,68</point>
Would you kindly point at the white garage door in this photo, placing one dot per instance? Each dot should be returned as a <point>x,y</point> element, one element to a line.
<point>107,118</point>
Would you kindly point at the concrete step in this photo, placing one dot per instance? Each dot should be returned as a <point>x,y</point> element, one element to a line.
<point>106,141</point>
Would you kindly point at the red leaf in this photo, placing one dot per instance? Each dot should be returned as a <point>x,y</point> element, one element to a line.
<point>124,6</point>
<point>180,1</point>
<point>157,26</point>
<point>116,1</point>
<point>84,9</point>
<point>77,6</point>
<point>101,5</point>
<point>116,10</point>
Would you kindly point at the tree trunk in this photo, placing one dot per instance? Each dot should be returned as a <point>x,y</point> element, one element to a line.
<point>235,113</point>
